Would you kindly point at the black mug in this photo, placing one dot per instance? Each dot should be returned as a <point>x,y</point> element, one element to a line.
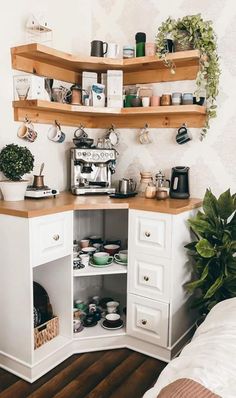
<point>183,135</point>
<point>97,48</point>
<point>168,46</point>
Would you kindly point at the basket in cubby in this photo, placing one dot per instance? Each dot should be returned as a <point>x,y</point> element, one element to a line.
<point>46,332</point>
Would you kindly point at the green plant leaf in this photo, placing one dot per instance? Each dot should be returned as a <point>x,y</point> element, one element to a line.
<point>216,285</point>
<point>191,286</point>
<point>191,246</point>
<point>205,249</point>
<point>226,205</point>
<point>210,204</point>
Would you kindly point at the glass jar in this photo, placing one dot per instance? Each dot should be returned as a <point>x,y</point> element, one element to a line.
<point>146,178</point>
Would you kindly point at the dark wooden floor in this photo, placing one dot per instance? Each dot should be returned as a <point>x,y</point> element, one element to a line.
<point>115,374</point>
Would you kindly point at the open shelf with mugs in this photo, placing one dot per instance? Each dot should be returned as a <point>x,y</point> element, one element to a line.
<point>39,111</point>
<point>45,61</point>
<point>41,60</point>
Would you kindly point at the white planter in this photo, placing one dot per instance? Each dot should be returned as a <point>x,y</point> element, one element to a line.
<point>13,190</point>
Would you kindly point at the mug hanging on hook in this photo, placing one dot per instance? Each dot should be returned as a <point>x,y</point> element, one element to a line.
<point>144,135</point>
<point>55,134</point>
<point>112,135</point>
<point>183,135</point>
<point>26,131</point>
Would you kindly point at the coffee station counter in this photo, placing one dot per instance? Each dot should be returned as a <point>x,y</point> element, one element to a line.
<point>66,201</point>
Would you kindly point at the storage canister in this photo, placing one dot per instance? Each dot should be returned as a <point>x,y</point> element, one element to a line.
<point>128,51</point>
<point>140,38</point>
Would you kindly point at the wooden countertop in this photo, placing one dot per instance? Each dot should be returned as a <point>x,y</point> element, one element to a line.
<point>66,201</point>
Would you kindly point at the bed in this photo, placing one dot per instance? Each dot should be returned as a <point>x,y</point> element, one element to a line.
<point>206,367</point>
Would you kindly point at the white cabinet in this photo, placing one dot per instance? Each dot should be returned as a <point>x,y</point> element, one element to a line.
<point>149,276</point>
<point>51,237</point>
<point>150,232</point>
<point>148,320</point>
<point>158,305</point>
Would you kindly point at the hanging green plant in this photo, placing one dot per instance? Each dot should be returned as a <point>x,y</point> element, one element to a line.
<point>192,32</point>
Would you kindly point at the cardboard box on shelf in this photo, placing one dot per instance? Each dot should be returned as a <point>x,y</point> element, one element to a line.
<point>115,88</point>
<point>29,87</point>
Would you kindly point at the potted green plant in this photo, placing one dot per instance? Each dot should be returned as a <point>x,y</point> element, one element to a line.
<point>15,161</point>
<point>190,32</point>
<point>213,251</point>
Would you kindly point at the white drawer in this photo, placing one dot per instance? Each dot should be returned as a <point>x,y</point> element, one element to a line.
<point>51,237</point>
<point>148,320</point>
<point>150,232</point>
<point>149,276</point>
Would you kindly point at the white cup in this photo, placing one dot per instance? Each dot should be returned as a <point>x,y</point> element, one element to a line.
<point>112,50</point>
<point>84,258</point>
<point>146,101</point>
<point>112,306</point>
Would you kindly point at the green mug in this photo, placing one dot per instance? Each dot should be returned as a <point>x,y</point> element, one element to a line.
<point>101,258</point>
<point>128,99</point>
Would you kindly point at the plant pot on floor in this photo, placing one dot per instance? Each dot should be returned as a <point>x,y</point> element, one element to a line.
<point>13,190</point>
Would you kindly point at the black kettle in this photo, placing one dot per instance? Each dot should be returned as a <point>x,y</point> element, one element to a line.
<point>179,183</point>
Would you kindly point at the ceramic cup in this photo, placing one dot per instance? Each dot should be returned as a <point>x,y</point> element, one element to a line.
<point>122,256</point>
<point>55,134</point>
<point>88,250</point>
<point>145,101</point>
<point>150,49</point>
<point>111,249</point>
<point>112,306</point>
<point>77,325</point>
<point>155,100</point>
<point>112,50</point>
<point>101,258</point>
<point>84,243</point>
<point>113,319</point>
<point>27,132</point>
<point>84,258</point>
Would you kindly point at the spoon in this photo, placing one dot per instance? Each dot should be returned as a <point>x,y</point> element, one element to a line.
<point>41,169</point>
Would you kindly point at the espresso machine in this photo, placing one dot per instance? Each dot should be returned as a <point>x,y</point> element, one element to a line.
<point>91,170</point>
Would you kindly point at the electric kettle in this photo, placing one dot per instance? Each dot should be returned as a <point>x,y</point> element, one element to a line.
<point>179,183</point>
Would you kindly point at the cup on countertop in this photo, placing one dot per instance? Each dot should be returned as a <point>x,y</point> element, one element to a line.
<point>112,306</point>
<point>111,249</point>
<point>113,320</point>
<point>55,134</point>
<point>102,258</point>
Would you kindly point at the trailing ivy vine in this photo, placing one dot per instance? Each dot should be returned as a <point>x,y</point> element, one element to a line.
<point>200,35</point>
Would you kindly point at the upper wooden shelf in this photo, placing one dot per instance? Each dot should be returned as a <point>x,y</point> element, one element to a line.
<point>72,115</point>
<point>45,61</point>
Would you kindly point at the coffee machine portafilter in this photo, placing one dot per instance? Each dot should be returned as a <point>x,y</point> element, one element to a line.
<point>91,170</point>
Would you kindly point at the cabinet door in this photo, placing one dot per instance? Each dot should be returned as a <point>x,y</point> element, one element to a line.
<point>149,276</point>
<point>148,320</point>
<point>150,232</point>
<point>51,237</point>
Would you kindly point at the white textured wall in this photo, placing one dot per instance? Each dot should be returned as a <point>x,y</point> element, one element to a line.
<point>76,23</point>
<point>213,161</point>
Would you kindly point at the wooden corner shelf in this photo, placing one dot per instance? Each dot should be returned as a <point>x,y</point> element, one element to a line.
<point>45,61</point>
<point>72,115</point>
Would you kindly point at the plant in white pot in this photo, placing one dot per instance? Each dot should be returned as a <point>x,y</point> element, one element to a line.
<point>15,162</point>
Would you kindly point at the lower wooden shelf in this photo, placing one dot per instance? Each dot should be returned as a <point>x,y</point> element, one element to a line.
<point>39,111</point>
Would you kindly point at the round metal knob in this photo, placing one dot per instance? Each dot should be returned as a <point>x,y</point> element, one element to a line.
<point>56,237</point>
<point>144,322</point>
<point>146,278</point>
<point>147,234</point>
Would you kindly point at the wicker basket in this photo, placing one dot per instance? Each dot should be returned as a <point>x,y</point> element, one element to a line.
<point>46,332</point>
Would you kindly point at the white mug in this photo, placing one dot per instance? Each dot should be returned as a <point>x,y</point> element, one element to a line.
<point>112,50</point>
<point>146,101</point>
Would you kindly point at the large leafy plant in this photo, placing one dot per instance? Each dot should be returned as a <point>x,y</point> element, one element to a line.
<point>200,35</point>
<point>213,251</point>
<point>15,161</point>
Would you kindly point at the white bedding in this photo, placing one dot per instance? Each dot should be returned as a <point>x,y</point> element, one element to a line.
<point>210,358</point>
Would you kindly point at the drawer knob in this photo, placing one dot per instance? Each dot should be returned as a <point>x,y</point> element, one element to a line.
<point>144,322</point>
<point>147,234</point>
<point>146,278</point>
<point>56,237</point>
